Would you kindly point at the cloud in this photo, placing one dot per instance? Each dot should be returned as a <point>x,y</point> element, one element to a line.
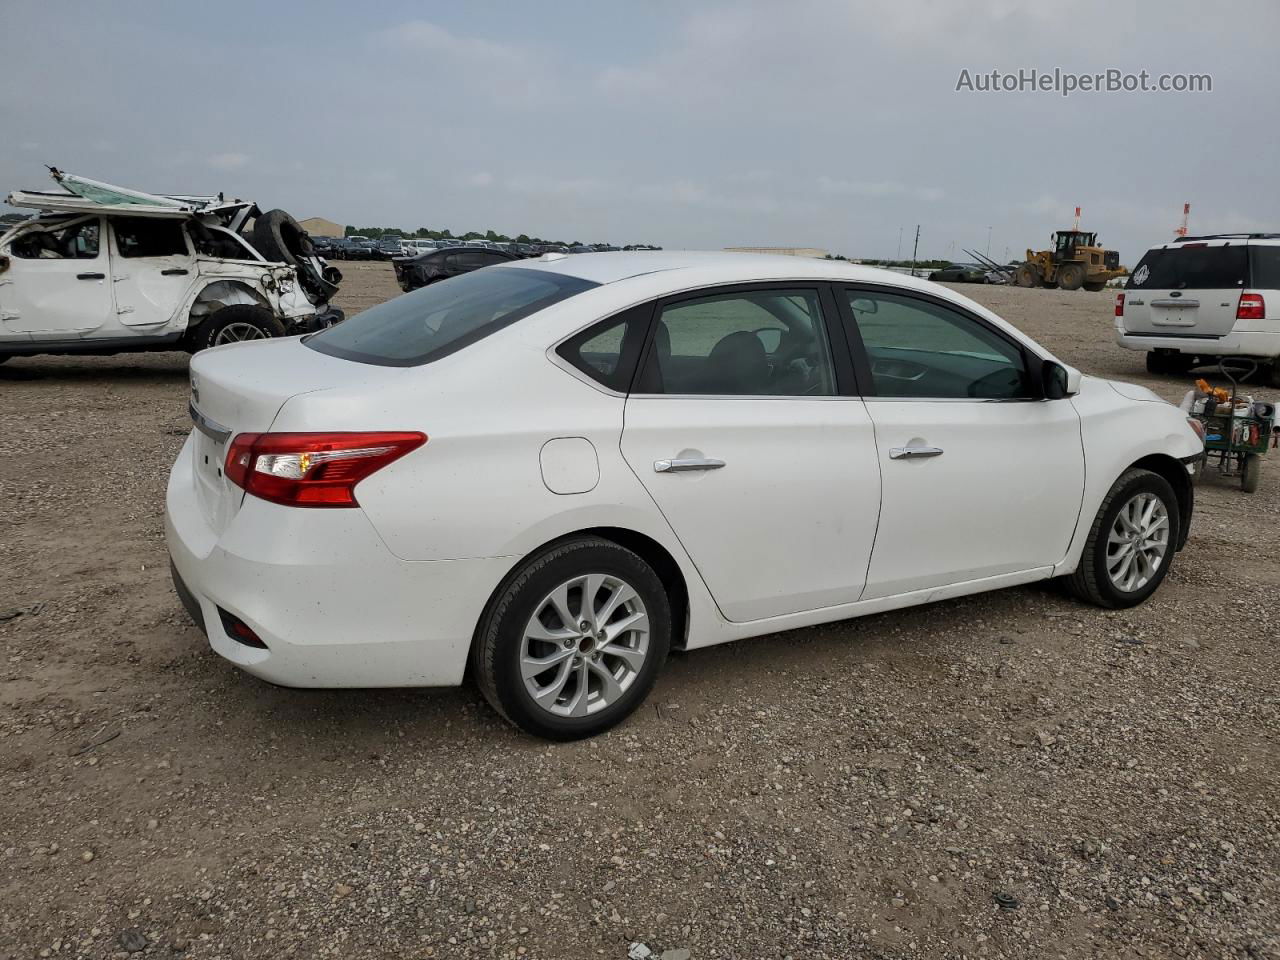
<point>228,161</point>
<point>481,178</point>
<point>878,189</point>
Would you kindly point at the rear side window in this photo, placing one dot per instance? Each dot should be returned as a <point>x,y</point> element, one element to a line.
<point>444,317</point>
<point>1264,265</point>
<point>145,237</point>
<point>608,351</point>
<point>1191,267</point>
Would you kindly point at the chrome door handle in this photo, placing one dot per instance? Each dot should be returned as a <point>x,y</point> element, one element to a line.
<point>681,466</point>
<point>913,453</point>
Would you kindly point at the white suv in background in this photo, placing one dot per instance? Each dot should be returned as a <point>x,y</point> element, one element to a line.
<point>1198,299</point>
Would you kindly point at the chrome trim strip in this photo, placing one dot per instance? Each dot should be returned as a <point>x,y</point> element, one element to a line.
<point>210,428</point>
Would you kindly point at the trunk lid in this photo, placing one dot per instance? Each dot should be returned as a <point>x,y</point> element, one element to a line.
<point>1187,290</point>
<point>240,388</point>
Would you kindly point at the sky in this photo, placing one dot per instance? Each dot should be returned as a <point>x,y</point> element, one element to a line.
<point>689,125</point>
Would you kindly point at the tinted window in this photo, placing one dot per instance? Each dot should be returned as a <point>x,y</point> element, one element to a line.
<point>767,343</point>
<point>143,237</point>
<point>1191,267</point>
<point>79,242</point>
<point>608,351</point>
<point>917,348</point>
<point>444,317</point>
<point>1264,262</point>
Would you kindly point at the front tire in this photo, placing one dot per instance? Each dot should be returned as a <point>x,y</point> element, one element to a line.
<point>574,640</point>
<point>234,324</point>
<point>1131,543</point>
<point>1250,473</point>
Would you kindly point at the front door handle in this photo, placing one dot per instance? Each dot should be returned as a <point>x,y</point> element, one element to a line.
<point>91,276</point>
<point>682,466</point>
<point>178,272</point>
<point>913,453</point>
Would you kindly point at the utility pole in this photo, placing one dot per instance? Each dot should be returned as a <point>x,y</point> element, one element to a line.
<point>988,254</point>
<point>899,256</point>
<point>914,250</point>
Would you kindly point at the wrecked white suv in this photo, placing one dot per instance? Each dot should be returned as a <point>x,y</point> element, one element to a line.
<point>102,269</point>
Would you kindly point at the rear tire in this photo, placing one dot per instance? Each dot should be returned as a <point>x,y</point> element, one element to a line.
<point>279,237</point>
<point>1071,276</point>
<point>234,324</point>
<point>1272,375</point>
<point>572,697</point>
<point>1250,473</point>
<point>1101,577</point>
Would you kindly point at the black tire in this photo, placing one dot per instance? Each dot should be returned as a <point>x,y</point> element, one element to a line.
<point>1026,276</point>
<point>1094,286</point>
<point>1157,363</point>
<point>279,237</point>
<point>1250,473</point>
<point>1090,581</point>
<point>1271,375</point>
<point>4,357</point>
<point>1071,276</point>
<point>497,649</point>
<point>216,325</point>
<point>933,277</point>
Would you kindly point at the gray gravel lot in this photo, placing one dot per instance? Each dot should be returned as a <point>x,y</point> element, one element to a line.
<point>862,789</point>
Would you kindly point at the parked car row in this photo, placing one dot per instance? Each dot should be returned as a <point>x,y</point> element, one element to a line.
<point>387,248</point>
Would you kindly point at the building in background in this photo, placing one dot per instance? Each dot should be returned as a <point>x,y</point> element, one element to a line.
<point>320,227</point>
<point>782,251</point>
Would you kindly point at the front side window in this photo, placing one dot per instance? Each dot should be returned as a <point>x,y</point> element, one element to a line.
<point>444,317</point>
<point>921,349</point>
<point>76,242</point>
<point>149,237</point>
<point>763,343</point>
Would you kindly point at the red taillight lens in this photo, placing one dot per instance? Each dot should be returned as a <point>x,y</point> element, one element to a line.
<point>312,469</point>
<point>1252,307</point>
<point>1119,304</point>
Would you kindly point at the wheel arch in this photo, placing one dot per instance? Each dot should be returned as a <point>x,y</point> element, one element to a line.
<point>1175,472</point>
<point>219,293</point>
<point>648,549</point>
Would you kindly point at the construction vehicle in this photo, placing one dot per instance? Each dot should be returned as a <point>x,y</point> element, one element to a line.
<point>1074,261</point>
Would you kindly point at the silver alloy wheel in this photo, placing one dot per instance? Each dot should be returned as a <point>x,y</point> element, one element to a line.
<point>585,645</point>
<point>1138,542</point>
<point>237,333</point>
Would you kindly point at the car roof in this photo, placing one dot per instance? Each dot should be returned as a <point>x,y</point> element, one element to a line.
<point>726,267</point>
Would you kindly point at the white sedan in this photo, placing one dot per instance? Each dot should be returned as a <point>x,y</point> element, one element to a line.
<point>555,470</point>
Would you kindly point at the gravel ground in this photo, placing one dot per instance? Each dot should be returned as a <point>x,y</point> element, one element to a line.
<point>863,789</point>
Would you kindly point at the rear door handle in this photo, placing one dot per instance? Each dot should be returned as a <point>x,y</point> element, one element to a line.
<point>682,466</point>
<point>179,272</point>
<point>913,453</point>
<point>91,276</point>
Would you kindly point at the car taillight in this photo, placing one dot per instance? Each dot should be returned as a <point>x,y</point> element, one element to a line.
<point>1197,426</point>
<point>312,469</point>
<point>1119,304</point>
<point>1252,307</point>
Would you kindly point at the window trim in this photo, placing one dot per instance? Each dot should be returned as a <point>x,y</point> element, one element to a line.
<point>845,386</point>
<point>862,360</point>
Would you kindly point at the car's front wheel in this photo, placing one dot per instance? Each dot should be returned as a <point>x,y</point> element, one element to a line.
<point>1131,543</point>
<point>574,640</point>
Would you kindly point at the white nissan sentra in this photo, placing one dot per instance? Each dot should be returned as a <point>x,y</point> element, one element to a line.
<point>552,472</point>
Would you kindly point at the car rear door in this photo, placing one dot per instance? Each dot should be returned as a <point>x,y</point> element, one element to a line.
<point>153,269</point>
<point>982,478</point>
<point>1187,290</point>
<point>743,428</point>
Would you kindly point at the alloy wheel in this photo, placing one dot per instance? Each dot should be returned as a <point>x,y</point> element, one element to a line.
<point>584,646</point>
<point>238,333</point>
<point>1138,542</point>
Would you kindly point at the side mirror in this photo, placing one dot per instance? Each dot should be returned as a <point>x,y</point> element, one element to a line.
<point>1058,381</point>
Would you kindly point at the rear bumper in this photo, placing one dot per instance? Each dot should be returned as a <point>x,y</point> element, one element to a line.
<point>334,607</point>
<point>1244,343</point>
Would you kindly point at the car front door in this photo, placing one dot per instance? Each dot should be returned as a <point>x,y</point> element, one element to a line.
<point>743,428</point>
<point>57,284</point>
<point>982,476</point>
<point>153,269</point>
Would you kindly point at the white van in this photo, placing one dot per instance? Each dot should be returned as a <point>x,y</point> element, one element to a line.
<point>1198,299</point>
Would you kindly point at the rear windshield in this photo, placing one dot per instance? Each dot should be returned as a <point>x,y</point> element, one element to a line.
<point>1191,267</point>
<point>444,317</point>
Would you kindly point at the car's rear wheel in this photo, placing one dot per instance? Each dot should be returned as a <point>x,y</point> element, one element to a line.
<point>236,323</point>
<point>1131,543</point>
<point>573,642</point>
